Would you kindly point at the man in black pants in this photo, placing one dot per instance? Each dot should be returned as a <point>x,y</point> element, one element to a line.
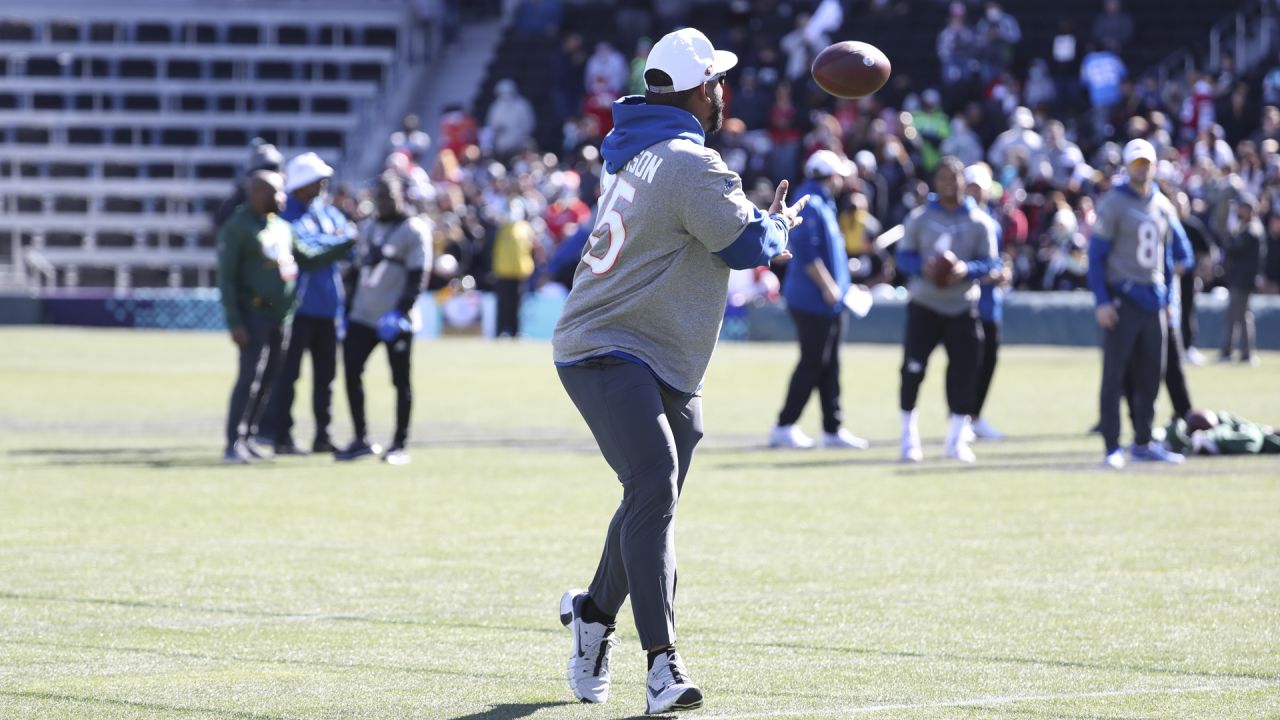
<point>1130,274</point>
<point>959,241</point>
<point>317,224</point>
<point>814,287</point>
<point>393,251</point>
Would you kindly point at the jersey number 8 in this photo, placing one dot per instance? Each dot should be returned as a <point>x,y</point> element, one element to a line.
<point>1148,245</point>
<point>609,224</point>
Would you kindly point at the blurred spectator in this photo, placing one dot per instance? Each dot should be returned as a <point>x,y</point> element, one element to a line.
<point>933,127</point>
<point>457,130</point>
<point>1020,140</point>
<point>1040,92</point>
<point>1114,27</point>
<point>1102,71</point>
<point>635,80</point>
<point>262,156</point>
<point>538,17</point>
<point>606,68</point>
<point>568,68</point>
<point>997,35</point>
<point>1244,251</point>
<point>962,143</point>
<point>410,138</point>
<point>955,46</point>
<point>510,122</point>
<point>513,264</point>
<point>1064,66</point>
<point>1062,154</point>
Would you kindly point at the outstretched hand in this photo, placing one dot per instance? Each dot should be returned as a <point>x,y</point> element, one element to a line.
<point>790,215</point>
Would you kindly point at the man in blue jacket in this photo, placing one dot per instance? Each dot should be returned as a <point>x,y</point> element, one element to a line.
<point>317,224</point>
<point>814,287</point>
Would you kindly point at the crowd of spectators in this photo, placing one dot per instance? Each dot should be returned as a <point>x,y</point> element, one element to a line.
<point>1051,131</point>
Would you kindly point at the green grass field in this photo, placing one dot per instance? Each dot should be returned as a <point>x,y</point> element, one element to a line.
<point>139,578</point>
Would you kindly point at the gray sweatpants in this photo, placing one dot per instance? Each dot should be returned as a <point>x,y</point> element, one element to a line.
<point>1133,350</point>
<point>647,434</point>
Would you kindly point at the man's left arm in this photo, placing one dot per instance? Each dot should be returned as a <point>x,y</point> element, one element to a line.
<point>417,260</point>
<point>989,259</point>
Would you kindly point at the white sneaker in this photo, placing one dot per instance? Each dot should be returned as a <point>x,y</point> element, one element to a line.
<point>960,450</point>
<point>789,436</point>
<point>589,658</point>
<point>842,438</point>
<point>669,687</point>
<point>983,430</point>
<point>1194,356</point>
<point>1114,460</point>
<point>911,451</point>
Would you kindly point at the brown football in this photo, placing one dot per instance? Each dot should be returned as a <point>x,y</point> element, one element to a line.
<point>851,69</point>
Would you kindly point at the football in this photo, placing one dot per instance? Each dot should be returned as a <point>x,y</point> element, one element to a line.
<point>851,69</point>
<point>941,269</point>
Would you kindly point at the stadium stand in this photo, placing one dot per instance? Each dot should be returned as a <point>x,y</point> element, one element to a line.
<point>125,124</point>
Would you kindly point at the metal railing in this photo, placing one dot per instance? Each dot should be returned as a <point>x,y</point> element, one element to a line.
<point>1248,37</point>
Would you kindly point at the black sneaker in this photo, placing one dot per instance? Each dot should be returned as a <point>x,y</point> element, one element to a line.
<point>396,455</point>
<point>357,449</point>
<point>289,447</point>
<point>322,445</point>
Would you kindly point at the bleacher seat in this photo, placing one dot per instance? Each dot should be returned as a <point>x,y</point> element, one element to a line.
<point>124,125</point>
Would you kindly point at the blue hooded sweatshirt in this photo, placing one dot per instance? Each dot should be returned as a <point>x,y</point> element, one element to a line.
<point>638,125</point>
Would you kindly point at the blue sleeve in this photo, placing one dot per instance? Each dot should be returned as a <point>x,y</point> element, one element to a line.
<point>909,262</point>
<point>764,237</point>
<point>1099,249</point>
<point>983,267</point>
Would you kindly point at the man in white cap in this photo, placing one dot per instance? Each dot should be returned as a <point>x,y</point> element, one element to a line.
<point>814,287</point>
<point>637,333</point>
<point>977,185</point>
<point>259,258</point>
<point>318,225</point>
<point>1131,276</point>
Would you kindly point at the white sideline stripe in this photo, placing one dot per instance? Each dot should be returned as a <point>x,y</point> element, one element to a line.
<point>997,700</point>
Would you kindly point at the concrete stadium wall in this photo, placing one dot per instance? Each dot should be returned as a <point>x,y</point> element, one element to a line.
<point>1030,318</point>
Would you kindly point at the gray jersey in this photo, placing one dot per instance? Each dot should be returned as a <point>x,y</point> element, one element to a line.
<point>385,255</point>
<point>648,284</point>
<point>1138,229</point>
<point>968,232</point>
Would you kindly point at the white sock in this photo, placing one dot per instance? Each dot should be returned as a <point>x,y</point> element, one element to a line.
<point>909,429</point>
<point>956,428</point>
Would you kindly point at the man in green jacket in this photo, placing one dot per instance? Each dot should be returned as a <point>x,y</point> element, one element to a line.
<point>1205,432</point>
<point>258,261</point>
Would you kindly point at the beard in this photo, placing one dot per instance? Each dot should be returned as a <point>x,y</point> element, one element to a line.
<point>716,121</point>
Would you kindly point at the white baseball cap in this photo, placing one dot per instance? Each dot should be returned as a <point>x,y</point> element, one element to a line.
<point>1138,149</point>
<point>978,174</point>
<point>688,57</point>
<point>825,163</point>
<point>305,169</point>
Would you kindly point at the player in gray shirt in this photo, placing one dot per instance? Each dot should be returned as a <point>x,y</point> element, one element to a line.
<point>392,256</point>
<point>948,245</point>
<point>1131,276</point>
<point>636,335</point>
